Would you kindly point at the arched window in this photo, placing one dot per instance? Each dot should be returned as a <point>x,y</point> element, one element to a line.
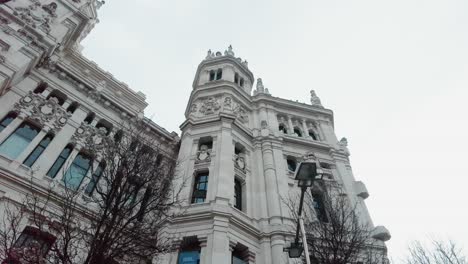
<point>7,120</point>
<point>61,97</point>
<point>77,171</point>
<point>38,150</point>
<point>89,118</point>
<point>312,134</point>
<point>200,187</point>
<point>104,124</point>
<point>95,179</point>
<point>219,74</point>
<point>212,75</point>
<point>282,128</point>
<point>319,207</point>
<point>238,194</point>
<point>298,131</point>
<point>292,163</point>
<point>60,161</point>
<point>40,88</point>
<point>72,107</point>
<point>19,140</point>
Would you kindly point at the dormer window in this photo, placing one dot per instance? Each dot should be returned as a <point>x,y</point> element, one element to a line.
<point>89,118</point>
<point>72,107</point>
<point>298,131</point>
<point>216,74</point>
<point>282,128</point>
<point>238,80</point>
<point>40,88</point>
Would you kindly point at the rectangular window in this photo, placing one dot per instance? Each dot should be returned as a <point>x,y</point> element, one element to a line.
<point>60,161</point>
<point>19,140</point>
<point>77,171</point>
<point>189,257</point>
<point>33,237</point>
<point>94,179</point>
<point>319,207</point>
<point>7,120</point>
<point>38,150</point>
<point>200,188</point>
<point>238,194</point>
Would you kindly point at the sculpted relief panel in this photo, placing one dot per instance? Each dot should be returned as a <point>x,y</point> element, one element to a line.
<point>214,105</point>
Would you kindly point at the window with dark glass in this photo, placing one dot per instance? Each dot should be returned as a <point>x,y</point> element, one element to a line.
<point>312,135</point>
<point>212,75</point>
<point>297,131</point>
<point>61,97</point>
<point>282,128</point>
<point>95,179</point>
<point>319,207</point>
<point>89,118</point>
<point>7,120</point>
<point>241,82</point>
<point>60,161</point>
<point>33,237</point>
<point>189,251</point>
<point>38,150</point>
<point>238,257</point>
<point>200,188</point>
<point>292,164</point>
<point>238,194</point>
<point>72,107</point>
<point>40,88</point>
<point>236,78</point>
<point>19,140</point>
<point>219,74</point>
<point>77,171</point>
<point>104,124</point>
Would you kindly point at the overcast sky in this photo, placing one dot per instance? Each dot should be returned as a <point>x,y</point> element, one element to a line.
<point>395,73</point>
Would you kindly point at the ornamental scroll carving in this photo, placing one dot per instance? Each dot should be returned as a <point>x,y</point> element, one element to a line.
<point>213,105</point>
<point>210,106</point>
<point>44,111</point>
<point>90,137</point>
<point>37,15</point>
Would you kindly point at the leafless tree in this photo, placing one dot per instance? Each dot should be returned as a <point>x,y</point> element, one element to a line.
<point>437,252</point>
<point>115,216</point>
<point>335,232</point>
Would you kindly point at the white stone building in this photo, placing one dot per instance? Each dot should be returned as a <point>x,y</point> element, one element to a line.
<point>238,146</point>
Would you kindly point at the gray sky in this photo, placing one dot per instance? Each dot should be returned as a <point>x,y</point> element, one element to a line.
<point>395,73</point>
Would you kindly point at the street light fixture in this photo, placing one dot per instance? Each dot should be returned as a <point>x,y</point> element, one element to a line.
<point>306,173</point>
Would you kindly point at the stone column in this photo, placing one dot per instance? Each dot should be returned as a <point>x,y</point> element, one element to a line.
<point>306,130</point>
<point>32,145</point>
<point>220,243</point>
<point>277,245</point>
<point>291,127</point>
<point>224,172</point>
<point>265,251</point>
<point>269,171</point>
<point>12,127</point>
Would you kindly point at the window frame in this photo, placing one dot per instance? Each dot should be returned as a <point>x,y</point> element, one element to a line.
<point>38,150</point>
<point>197,189</point>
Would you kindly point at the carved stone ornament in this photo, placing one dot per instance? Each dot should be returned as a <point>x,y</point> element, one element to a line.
<point>241,114</point>
<point>37,15</point>
<point>89,136</point>
<point>240,161</point>
<point>193,108</point>
<point>204,154</point>
<point>44,111</point>
<point>314,99</point>
<point>210,106</point>
<point>227,103</point>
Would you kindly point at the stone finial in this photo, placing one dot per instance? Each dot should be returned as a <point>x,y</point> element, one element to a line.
<point>209,54</point>
<point>314,99</point>
<point>344,142</point>
<point>229,51</point>
<point>260,87</point>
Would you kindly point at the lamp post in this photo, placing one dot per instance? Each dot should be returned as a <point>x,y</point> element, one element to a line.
<point>306,173</point>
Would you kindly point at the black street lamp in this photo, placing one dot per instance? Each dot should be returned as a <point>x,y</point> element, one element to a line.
<point>306,174</point>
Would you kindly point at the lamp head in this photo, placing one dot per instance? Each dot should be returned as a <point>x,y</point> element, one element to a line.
<point>295,250</point>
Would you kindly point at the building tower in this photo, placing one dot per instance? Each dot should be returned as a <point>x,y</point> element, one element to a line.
<point>238,154</point>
